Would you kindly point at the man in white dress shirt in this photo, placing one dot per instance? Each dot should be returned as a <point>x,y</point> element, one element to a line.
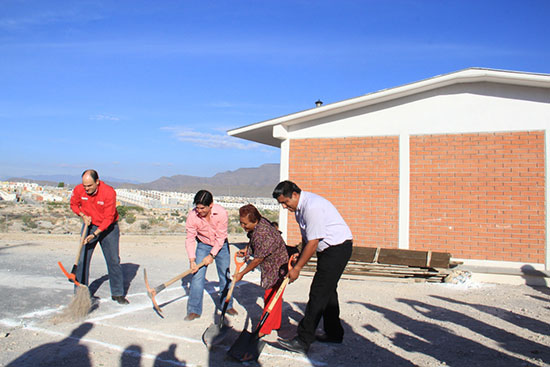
<point>323,230</point>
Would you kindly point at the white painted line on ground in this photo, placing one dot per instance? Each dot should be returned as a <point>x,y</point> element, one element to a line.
<point>127,310</point>
<point>39,313</point>
<point>11,322</point>
<point>296,358</point>
<point>110,346</point>
<point>151,332</point>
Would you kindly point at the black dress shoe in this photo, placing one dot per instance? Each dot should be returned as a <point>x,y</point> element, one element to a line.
<point>324,338</point>
<point>294,345</point>
<point>120,299</point>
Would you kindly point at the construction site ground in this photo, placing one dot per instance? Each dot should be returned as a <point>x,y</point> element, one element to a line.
<point>388,322</point>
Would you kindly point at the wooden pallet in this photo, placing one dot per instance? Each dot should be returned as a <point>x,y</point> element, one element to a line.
<point>381,262</point>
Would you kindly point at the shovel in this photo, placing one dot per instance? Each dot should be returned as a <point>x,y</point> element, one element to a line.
<point>152,292</point>
<point>248,346</point>
<point>215,333</point>
<point>72,274</point>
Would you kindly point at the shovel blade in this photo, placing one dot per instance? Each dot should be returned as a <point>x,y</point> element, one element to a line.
<point>214,334</point>
<point>247,347</point>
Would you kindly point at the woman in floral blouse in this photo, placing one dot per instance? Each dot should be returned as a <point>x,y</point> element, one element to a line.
<point>270,253</point>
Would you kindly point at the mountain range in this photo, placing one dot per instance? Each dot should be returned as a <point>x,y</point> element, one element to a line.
<point>247,182</point>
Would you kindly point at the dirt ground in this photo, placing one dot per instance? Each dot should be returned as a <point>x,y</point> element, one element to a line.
<point>387,322</point>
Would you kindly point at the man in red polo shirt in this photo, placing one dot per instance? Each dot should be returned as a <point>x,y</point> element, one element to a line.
<point>95,202</point>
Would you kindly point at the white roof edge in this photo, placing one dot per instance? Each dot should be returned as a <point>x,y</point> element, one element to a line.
<point>470,75</point>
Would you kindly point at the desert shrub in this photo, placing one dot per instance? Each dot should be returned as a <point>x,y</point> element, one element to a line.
<point>123,210</point>
<point>144,226</point>
<point>28,222</point>
<point>130,218</point>
<point>154,221</point>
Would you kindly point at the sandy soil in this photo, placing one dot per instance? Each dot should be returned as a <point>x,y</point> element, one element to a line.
<point>387,322</point>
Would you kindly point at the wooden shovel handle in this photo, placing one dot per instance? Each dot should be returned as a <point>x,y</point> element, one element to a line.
<point>282,286</point>
<point>276,297</point>
<point>238,265</point>
<point>83,236</point>
<point>183,275</point>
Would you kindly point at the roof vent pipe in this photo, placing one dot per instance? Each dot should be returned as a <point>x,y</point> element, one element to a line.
<point>318,103</point>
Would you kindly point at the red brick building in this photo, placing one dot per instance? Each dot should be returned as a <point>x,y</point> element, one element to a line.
<point>455,163</point>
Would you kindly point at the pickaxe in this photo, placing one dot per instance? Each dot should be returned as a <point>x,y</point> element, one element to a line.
<point>152,292</point>
<point>72,275</point>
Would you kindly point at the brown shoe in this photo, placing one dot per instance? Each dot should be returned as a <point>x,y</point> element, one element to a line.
<point>120,299</point>
<point>192,316</point>
<point>232,312</point>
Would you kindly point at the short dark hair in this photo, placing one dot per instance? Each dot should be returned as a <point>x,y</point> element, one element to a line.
<point>286,188</point>
<point>250,212</point>
<point>203,197</point>
<point>93,174</point>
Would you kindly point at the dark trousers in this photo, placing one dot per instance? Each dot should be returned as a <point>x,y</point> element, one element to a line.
<point>323,298</point>
<point>108,241</point>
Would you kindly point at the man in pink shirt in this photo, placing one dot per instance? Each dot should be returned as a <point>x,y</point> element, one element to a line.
<point>206,228</point>
<point>95,202</point>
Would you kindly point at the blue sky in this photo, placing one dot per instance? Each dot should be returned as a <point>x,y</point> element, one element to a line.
<point>144,89</point>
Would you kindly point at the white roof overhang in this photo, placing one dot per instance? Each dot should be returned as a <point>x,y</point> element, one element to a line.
<point>273,132</point>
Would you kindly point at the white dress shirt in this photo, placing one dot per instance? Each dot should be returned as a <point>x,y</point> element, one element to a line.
<point>319,219</point>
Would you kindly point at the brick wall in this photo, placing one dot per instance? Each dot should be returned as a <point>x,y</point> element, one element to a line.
<point>479,196</point>
<point>360,176</point>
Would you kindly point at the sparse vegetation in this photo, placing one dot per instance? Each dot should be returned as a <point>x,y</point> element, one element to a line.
<point>57,218</point>
<point>130,218</point>
<point>28,221</point>
<point>123,210</point>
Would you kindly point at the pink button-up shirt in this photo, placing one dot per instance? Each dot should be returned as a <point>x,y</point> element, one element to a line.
<point>212,233</point>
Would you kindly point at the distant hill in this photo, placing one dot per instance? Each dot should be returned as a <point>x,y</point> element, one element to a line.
<point>250,182</point>
<point>259,181</point>
<point>71,180</point>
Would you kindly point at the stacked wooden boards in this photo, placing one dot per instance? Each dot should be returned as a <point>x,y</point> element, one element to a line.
<point>384,262</point>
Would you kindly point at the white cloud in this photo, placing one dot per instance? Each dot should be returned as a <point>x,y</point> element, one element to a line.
<point>162,164</point>
<point>104,117</point>
<point>210,140</point>
<point>70,165</point>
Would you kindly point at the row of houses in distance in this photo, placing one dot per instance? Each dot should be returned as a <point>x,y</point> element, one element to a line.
<point>148,199</point>
<point>32,192</point>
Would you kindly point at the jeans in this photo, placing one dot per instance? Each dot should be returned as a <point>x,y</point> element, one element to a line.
<point>108,241</point>
<point>196,291</point>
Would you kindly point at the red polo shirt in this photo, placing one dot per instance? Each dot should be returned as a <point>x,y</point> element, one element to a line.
<point>101,206</point>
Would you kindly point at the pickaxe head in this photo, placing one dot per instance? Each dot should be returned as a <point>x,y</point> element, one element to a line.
<point>71,276</point>
<point>151,292</point>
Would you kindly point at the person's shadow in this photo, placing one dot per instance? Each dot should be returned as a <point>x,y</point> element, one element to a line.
<point>531,276</point>
<point>67,352</point>
<point>129,271</point>
<point>440,342</point>
<point>355,350</point>
<point>131,356</point>
<point>168,358</point>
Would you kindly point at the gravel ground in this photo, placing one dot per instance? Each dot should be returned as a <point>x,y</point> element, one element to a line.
<point>387,322</point>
